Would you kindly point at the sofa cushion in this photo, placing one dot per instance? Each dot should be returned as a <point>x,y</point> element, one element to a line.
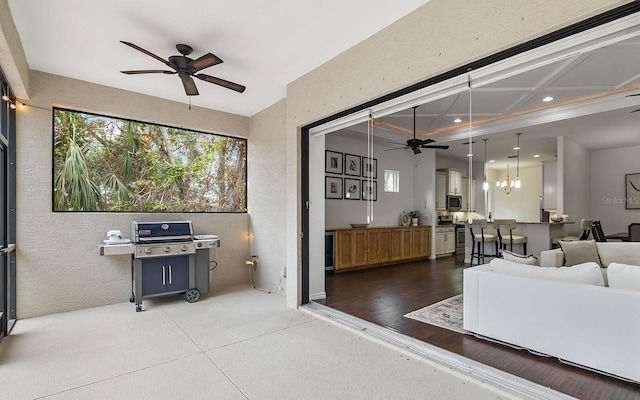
<point>624,276</point>
<point>579,251</point>
<point>620,252</point>
<point>587,273</point>
<point>519,258</point>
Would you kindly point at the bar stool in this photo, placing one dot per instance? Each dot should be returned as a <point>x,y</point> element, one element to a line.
<point>510,239</point>
<point>585,226</point>
<point>479,239</point>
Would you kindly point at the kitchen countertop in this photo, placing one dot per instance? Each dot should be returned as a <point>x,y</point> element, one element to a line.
<point>375,227</point>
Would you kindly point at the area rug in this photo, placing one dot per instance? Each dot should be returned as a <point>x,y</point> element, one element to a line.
<point>445,314</point>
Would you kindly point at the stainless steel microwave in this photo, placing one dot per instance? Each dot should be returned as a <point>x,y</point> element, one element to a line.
<point>454,203</point>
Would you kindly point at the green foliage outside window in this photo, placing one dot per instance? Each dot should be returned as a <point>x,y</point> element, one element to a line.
<point>110,164</point>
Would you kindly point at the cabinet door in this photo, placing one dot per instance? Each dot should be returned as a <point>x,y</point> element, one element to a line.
<point>384,245</point>
<point>407,251</point>
<point>441,191</point>
<point>154,275</point>
<point>396,244</point>
<point>455,183</point>
<point>343,249</point>
<point>177,273</point>
<point>440,243</point>
<point>425,241</point>
<point>465,194</point>
<point>416,243</point>
<point>450,242</point>
<point>359,248</point>
<point>468,194</point>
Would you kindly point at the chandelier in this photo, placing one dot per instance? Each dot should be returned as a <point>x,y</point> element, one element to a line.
<point>507,184</point>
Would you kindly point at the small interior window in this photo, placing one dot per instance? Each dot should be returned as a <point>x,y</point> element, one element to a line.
<point>391,181</point>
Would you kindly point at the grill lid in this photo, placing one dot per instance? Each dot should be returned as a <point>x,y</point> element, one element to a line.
<point>142,232</point>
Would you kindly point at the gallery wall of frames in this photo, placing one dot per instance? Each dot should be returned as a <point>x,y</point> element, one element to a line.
<point>353,177</point>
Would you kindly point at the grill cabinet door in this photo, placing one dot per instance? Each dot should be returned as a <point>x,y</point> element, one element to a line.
<point>177,273</point>
<point>154,276</point>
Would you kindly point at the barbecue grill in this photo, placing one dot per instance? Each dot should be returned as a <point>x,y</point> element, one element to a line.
<point>164,260</point>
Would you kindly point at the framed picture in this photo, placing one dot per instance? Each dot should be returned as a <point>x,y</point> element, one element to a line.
<point>332,187</point>
<point>369,190</point>
<point>351,189</point>
<point>351,165</point>
<point>632,191</point>
<point>369,167</point>
<point>333,162</point>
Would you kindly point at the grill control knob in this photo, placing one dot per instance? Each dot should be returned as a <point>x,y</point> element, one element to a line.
<point>166,249</point>
<point>148,250</point>
<point>184,247</point>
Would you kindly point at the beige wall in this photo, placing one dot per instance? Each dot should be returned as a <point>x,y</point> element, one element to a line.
<point>58,265</point>
<point>435,38</point>
<point>267,188</point>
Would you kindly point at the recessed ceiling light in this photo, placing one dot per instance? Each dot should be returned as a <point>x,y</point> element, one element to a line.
<point>548,98</point>
<point>492,161</point>
<point>516,148</point>
<point>536,156</point>
<point>457,120</point>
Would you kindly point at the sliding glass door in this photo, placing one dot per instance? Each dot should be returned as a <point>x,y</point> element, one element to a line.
<point>7,211</point>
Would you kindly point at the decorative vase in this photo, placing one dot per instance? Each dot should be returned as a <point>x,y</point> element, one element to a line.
<point>414,221</point>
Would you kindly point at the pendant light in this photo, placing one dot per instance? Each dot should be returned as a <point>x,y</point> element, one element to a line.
<point>518,160</point>
<point>485,184</point>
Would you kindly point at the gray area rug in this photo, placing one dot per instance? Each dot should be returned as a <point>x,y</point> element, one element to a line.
<point>445,314</point>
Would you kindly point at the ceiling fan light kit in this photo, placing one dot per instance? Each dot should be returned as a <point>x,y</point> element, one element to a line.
<point>186,68</point>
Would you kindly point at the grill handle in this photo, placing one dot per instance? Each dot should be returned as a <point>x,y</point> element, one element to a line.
<point>169,274</point>
<point>163,275</point>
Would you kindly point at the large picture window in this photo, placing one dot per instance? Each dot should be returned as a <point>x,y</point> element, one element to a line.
<point>112,164</point>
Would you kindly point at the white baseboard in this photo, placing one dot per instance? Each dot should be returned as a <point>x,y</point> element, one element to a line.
<point>318,296</point>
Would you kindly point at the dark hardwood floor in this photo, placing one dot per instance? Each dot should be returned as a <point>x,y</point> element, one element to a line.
<point>382,295</point>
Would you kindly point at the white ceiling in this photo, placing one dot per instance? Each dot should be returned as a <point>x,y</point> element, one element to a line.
<point>265,44</point>
<point>591,106</point>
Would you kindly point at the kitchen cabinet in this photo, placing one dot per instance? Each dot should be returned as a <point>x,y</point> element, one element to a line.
<point>351,247</point>
<point>455,182</point>
<point>421,242</point>
<point>378,246</point>
<point>550,185</point>
<point>165,275</point>
<point>445,240</point>
<point>441,191</point>
<point>468,196</point>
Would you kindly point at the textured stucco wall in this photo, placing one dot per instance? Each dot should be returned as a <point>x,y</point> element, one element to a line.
<point>266,192</point>
<point>58,265</point>
<point>437,37</point>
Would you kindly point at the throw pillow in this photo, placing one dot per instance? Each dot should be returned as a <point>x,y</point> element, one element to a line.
<point>519,258</point>
<point>624,276</point>
<point>587,273</point>
<point>579,251</point>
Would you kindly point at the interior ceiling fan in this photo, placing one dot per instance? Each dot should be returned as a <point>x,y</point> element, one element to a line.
<point>186,68</point>
<point>417,144</point>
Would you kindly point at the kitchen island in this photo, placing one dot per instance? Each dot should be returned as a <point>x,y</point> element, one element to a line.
<point>539,235</point>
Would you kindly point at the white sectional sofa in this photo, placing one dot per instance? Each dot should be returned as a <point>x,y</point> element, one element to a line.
<point>563,312</point>
<point>619,252</point>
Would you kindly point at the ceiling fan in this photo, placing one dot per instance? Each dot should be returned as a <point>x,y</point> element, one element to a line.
<point>416,144</point>
<point>186,68</point>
